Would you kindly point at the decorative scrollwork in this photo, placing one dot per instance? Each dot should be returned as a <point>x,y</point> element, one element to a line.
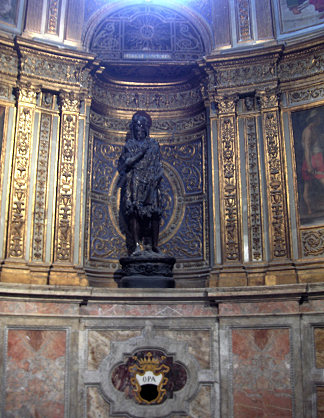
<point>140,31</point>
<point>187,160</point>
<point>21,167</point>
<point>226,105</point>
<point>306,95</point>
<point>41,187</point>
<point>65,188</point>
<point>243,15</point>
<point>105,241</point>
<point>187,243</point>
<point>275,178</point>
<point>313,242</point>
<point>148,99</point>
<point>253,183</point>
<point>53,14</point>
<point>301,65</point>
<point>230,184</point>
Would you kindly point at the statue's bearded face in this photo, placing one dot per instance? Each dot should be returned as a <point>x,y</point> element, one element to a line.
<point>140,129</point>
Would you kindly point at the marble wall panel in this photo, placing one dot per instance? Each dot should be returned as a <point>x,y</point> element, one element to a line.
<point>19,307</point>
<point>199,344</point>
<point>232,309</point>
<point>99,344</point>
<point>35,373</point>
<point>261,373</point>
<point>133,310</point>
<point>200,405</point>
<point>96,405</point>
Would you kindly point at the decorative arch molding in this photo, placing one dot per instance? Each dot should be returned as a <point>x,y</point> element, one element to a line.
<point>155,32</point>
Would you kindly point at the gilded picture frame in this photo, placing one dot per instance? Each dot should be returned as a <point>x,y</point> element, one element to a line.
<point>308,141</point>
<point>296,15</point>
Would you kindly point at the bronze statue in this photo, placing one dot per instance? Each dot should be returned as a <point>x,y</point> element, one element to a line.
<point>140,172</point>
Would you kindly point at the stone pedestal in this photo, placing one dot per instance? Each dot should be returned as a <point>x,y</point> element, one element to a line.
<point>147,270</point>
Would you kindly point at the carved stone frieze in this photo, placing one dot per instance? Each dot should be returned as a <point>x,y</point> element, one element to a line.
<point>174,125</point>
<point>240,73</point>
<point>254,195</point>
<point>8,61</point>
<point>312,242</point>
<point>305,95</point>
<point>153,99</point>
<point>301,65</point>
<point>275,178</point>
<point>65,188</point>
<point>53,69</point>
<point>38,240</point>
<point>21,167</point>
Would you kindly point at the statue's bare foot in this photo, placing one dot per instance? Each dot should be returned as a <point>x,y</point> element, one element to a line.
<point>137,250</point>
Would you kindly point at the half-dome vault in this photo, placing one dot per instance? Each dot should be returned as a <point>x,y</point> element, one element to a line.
<point>149,32</point>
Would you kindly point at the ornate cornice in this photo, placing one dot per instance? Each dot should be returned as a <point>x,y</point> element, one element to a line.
<point>53,67</point>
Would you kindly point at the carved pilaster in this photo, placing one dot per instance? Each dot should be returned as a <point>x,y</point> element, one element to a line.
<point>26,96</point>
<point>278,231</point>
<point>70,105</point>
<point>39,224</point>
<point>229,178</point>
<point>253,190</point>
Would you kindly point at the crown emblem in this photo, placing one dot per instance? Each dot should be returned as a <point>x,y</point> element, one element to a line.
<point>148,378</point>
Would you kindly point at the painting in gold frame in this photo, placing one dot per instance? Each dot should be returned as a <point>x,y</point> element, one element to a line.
<point>308,135</point>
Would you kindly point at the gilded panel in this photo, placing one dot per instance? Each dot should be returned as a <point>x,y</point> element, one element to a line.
<point>319,347</point>
<point>182,193</point>
<point>46,67</point>
<point>275,178</point>
<point>320,401</point>
<point>312,241</point>
<point>244,29</point>
<point>301,65</point>
<point>53,16</point>
<point>153,99</point>
<point>38,240</point>
<point>240,73</point>
<point>253,187</point>
<point>179,124</point>
<point>310,94</point>
<point>65,188</point>
<point>20,176</point>
<point>229,177</point>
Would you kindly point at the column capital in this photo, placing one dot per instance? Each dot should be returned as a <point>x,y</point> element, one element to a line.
<point>27,93</point>
<point>226,104</point>
<point>70,101</point>
<point>268,99</point>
